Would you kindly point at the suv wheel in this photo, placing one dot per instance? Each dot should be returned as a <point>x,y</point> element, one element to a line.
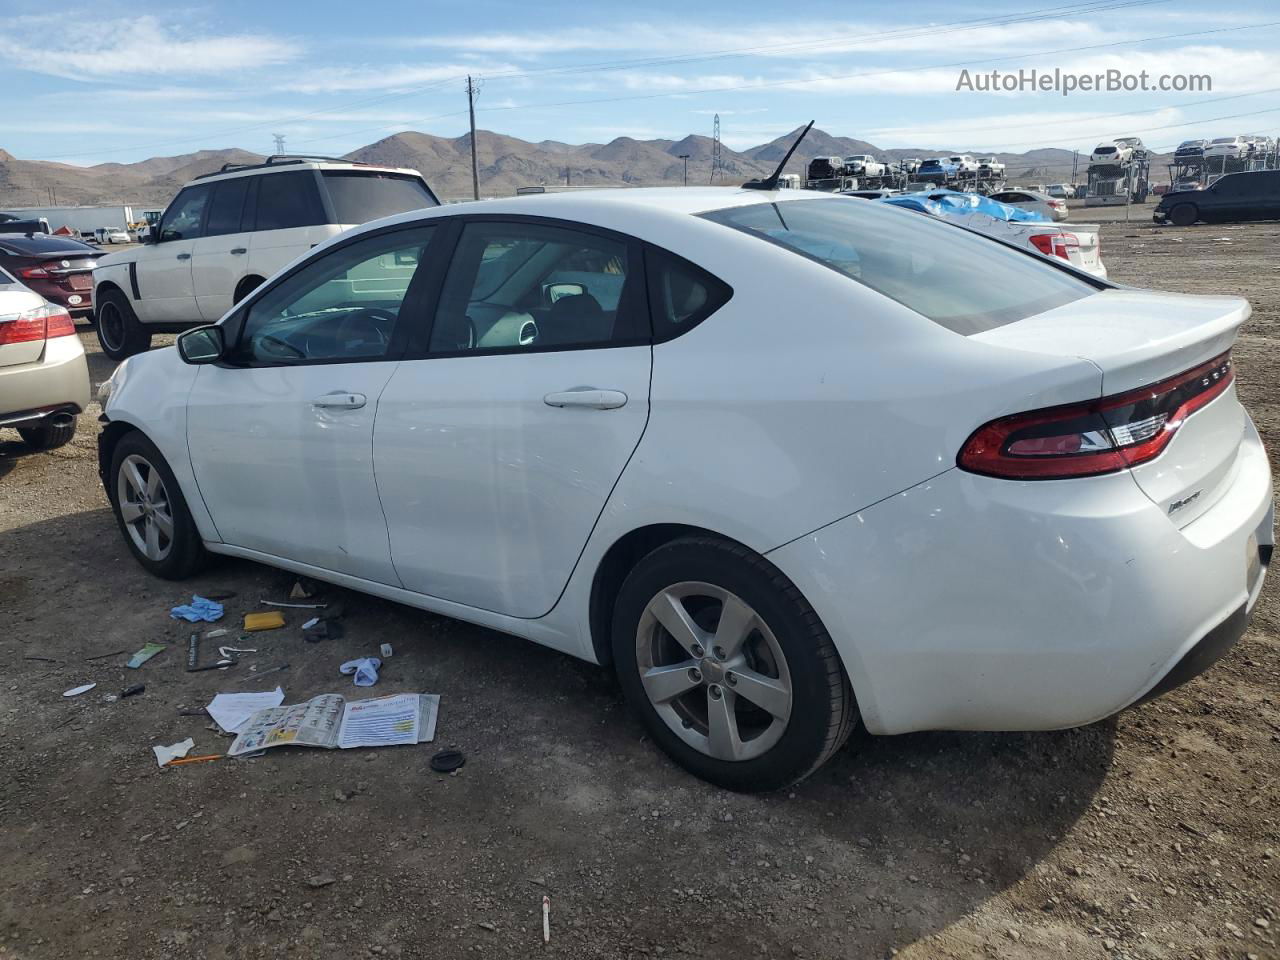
<point>1184,215</point>
<point>729,667</point>
<point>119,331</point>
<point>151,511</point>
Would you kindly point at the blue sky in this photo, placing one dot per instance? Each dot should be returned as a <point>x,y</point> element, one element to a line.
<point>124,81</point>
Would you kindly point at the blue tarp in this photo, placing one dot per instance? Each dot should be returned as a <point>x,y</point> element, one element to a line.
<point>943,202</point>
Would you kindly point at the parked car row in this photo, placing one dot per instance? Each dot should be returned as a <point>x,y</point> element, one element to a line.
<point>1244,145</point>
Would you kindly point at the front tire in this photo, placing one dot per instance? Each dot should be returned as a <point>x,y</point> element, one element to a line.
<point>48,436</point>
<point>730,669</point>
<point>119,332</point>
<point>151,511</point>
<point>1184,215</point>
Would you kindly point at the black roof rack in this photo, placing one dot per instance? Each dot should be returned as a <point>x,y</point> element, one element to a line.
<point>279,159</point>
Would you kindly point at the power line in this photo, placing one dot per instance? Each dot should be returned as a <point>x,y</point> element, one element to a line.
<point>1094,6</point>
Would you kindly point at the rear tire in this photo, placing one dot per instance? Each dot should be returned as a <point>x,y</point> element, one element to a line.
<point>756,713</point>
<point>119,332</point>
<point>151,511</point>
<point>48,436</point>
<point>1184,215</point>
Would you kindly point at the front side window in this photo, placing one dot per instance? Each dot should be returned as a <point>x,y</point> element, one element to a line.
<point>288,200</point>
<point>225,208</point>
<point>521,286</point>
<point>183,219</point>
<point>343,306</point>
<point>922,263</point>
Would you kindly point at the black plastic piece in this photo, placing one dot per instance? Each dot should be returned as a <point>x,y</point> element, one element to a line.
<point>447,761</point>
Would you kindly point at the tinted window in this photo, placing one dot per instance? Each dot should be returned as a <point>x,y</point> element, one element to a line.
<point>345,305</point>
<point>185,216</point>
<point>288,200</point>
<point>681,295</point>
<point>5,279</point>
<point>518,286</point>
<point>922,263</point>
<point>224,210</point>
<point>359,197</point>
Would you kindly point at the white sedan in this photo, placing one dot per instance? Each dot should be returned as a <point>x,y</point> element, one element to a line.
<point>784,460</point>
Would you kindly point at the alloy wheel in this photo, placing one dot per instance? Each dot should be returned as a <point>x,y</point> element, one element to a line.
<point>713,671</point>
<point>144,507</point>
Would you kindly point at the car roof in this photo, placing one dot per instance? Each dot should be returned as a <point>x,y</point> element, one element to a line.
<point>260,169</point>
<point>42,245</point>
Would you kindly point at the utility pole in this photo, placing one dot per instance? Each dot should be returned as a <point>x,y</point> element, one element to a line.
<point>566,176</point>
<point>475,164</point>
<point>685,158</point>
<point>279,139</point>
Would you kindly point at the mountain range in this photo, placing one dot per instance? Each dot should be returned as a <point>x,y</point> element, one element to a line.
<point>505,164</point>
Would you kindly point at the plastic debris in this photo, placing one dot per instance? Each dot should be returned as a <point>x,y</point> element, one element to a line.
<point>164,755</point>
<point>226,652</point>
<point>231,710</point>
<point>200,608</point>
<point>256,676</point>
<point>316,629</point>
<point>447,761</point>
<point>214,634</point>
<point>133,691</point>
<point>146,653</point>
<point>294,606</point>
<point>386,650</point>
<point>76,691</point>
<point>365,670</point>
<point>546,919</point>
<point>271,620</point>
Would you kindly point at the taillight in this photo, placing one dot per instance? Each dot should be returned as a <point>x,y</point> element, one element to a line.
<point>33,272</point>
<point>1056,244</point>
<point>39,323</point>
<point>1081,440</point>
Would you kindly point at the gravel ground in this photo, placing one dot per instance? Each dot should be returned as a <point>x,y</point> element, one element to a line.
<point>1153,834</point>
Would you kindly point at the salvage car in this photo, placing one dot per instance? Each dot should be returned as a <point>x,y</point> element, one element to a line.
<point>224,232</point>
<point>787,461</point>
<point>44,378</point>
<point>1052,208</point>
<point>1233,198</point>
<point>58,268</point>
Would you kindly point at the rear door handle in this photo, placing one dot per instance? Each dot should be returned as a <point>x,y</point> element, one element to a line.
<point>239,249</point>
<point>340,400</point>
<point>587,397</point>
<point>184,256</point>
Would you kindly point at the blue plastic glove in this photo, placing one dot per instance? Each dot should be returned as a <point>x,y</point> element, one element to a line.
<point>365,670</point>
<point>198,609</point>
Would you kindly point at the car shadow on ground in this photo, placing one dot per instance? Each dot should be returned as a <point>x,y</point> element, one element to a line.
<point>894,840</point>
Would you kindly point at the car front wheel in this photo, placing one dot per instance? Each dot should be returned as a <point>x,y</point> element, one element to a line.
<point>1184,214</point>
<point>151,511</point>
<point>119,332</point>
<point>729,667</point>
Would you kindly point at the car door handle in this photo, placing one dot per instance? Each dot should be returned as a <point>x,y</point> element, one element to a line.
<point>238,250</point>
<point>587,397</point>
<point>184,256</point>
<point>340,400</point>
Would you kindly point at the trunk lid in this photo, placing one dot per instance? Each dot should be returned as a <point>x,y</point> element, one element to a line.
<point>1138,338</point>
<point>12,304</point>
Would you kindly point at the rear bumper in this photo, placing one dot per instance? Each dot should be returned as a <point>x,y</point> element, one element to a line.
<point>58,381</point>
<point>974,603</point>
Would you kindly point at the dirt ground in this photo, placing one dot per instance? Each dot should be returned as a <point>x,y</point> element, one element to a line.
<point>1154,834</point>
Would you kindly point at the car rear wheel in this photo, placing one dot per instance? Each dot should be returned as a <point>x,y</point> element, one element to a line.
<point>119,332</point>
<point>151,511</point>
<point>729,667</point>
<point>49,435</point>
<point>1184,214</point>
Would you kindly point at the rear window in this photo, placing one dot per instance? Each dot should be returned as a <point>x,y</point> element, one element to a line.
<point>359,197</point>
<point>44,244</point>
<point>922,263</point>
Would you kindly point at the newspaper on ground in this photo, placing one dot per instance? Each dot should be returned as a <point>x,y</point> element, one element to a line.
<point>333,722</point>
<point>231,711</point>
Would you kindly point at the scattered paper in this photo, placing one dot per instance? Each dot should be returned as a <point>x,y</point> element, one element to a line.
<point>330,721</point>
<point>381,722</point>
<point>173,751</point>
<point>230,711</point>
<point>76,691</point>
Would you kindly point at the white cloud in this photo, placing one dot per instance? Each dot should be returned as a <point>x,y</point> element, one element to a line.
<point>89,46</point>
<point>334,79</point>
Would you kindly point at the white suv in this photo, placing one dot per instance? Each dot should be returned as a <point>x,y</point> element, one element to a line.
<point>226,232</point>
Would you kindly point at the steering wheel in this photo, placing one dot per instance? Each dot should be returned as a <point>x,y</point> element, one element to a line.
<point>354,326</point>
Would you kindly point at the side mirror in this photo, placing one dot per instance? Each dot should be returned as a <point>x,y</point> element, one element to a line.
<point>201,345</point>
<point>148,237</point>
<point>556,291</point>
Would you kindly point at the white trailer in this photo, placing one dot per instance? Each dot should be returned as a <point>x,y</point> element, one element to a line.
<point>84,220</point>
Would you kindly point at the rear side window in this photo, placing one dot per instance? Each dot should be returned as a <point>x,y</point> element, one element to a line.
<point>359,196</point>
<point>225,208</point>
<point>922,263</point>
<point>681,295</point>
<point>288,200</point>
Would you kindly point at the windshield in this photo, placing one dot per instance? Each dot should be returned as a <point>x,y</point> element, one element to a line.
<point>920,262</point>
<point>359,196</point>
